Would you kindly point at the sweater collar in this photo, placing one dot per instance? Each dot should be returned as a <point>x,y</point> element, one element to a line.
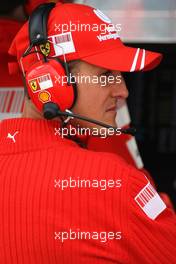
<point>23,134</point>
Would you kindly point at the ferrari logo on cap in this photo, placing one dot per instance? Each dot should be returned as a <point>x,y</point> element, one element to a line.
<point>45,48</point>
<point>33,85</point>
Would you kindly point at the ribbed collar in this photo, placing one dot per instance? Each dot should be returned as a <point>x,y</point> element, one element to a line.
<point>24,134</point>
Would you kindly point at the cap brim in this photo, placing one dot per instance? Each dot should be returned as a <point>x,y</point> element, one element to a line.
<point>125,59</point>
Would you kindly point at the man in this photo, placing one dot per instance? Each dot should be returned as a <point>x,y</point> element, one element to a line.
<point>61,203</point>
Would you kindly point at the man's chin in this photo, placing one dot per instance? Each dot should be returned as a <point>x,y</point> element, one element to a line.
<point>111,123</point>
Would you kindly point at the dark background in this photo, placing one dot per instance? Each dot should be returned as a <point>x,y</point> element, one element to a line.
<point>152,105</point>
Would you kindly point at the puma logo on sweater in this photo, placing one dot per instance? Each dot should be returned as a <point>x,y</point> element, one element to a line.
<point>12,136</point>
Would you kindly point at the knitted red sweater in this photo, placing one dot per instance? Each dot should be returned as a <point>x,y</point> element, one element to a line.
<point>63,204</point>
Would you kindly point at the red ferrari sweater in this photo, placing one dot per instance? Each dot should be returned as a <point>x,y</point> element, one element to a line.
<point>63,204</point>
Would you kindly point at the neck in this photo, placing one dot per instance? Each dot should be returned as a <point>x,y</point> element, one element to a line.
<point>30,111</point>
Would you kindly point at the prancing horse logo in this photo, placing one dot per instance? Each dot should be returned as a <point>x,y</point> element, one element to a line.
<point>45,48</point>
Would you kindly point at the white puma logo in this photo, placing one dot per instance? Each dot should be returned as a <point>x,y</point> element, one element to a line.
<point>12,136</point>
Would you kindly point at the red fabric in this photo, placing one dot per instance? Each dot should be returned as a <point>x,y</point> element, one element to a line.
<point>85,44</point>
<point>8,30</point>
<point>117,145</point>
<point>113,144</point>
<point>32,209</point>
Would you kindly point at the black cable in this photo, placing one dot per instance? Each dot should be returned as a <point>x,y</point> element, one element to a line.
<point>130,130</point>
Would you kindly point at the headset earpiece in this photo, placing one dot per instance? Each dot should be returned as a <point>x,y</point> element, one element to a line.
<point>38,23</point>
<point>48,80</point>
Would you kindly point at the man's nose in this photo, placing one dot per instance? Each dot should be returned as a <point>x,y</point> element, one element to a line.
<point>120,90</point>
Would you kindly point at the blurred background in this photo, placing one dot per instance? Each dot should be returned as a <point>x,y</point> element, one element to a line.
<point>152,101</point>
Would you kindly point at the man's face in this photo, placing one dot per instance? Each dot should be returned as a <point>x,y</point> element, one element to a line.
<point>98,93</point>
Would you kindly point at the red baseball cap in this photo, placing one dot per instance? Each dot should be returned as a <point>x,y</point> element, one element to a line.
<point>85,33</point>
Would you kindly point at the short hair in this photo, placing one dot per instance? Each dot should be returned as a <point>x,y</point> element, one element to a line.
<point>73,64</point>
